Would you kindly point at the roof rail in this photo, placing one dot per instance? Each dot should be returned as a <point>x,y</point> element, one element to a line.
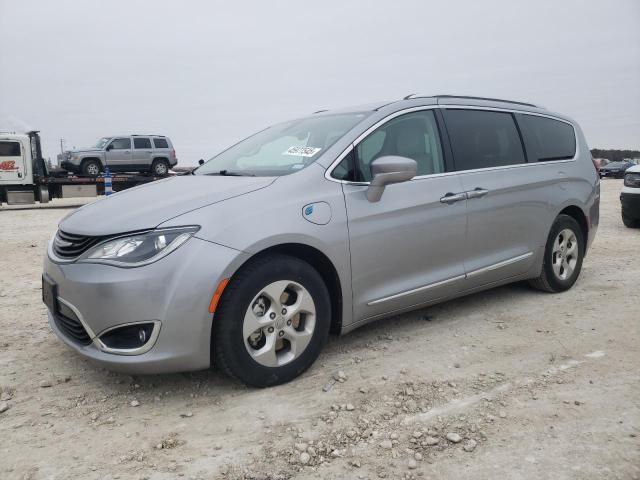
<point>319,111</point>
<point>416,95</point>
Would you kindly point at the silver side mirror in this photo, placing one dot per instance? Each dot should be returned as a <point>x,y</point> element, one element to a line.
<point>387,170</point>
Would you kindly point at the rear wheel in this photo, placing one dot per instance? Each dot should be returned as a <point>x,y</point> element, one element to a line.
<point>160,167</point>
<point>272,321</point>
<point>563,256</point>
<point>91,168</point>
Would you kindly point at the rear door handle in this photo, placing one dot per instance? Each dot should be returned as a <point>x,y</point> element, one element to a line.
<point>450,197</point>
<point>477,192</point>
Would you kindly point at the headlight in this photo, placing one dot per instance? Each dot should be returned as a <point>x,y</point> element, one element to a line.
<point>632,180</point>
<point>139,249</point>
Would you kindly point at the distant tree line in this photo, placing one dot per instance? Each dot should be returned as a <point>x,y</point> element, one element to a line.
<point>614,155</point>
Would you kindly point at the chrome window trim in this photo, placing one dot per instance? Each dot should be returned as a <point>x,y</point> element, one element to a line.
<point>362,136</point>
<point>354,144</point>
<point>130,351</point>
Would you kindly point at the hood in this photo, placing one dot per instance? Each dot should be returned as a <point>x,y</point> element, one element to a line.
<point>149,205</point>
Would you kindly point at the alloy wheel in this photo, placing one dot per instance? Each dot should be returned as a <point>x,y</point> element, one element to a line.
<point>564,255</point>
<point>161,169</point>
<point>93,169</point>
<point>279,323</point>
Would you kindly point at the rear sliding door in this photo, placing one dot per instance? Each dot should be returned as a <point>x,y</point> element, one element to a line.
<point>506,207</point>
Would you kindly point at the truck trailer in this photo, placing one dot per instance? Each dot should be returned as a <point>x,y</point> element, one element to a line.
<point>25,177</point>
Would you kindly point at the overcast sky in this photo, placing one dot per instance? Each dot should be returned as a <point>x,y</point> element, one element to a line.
<point>209,73</point>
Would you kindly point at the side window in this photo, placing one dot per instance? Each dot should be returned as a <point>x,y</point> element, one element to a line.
<point>121,143</point>
<point>9,149</point>
<point>141,143</point>
<point>546,139</point>
<point>160,143</point>
<point>414,135</point>
<point>482,139</point>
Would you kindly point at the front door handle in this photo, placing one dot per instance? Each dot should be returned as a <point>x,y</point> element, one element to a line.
<point>477,192</point>
<point>450,198</point>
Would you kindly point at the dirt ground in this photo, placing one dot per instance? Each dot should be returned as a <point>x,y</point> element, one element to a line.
<point>511,382</point>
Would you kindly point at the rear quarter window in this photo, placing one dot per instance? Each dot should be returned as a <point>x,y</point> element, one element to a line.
<point>160,143</point>
<point>547,139</point>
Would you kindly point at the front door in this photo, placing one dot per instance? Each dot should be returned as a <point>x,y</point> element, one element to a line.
<point>118,153</point>
<point>407,248</point>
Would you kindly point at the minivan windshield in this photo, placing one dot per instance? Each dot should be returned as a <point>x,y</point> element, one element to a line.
<point>282,149</point>
<point>101,143</point>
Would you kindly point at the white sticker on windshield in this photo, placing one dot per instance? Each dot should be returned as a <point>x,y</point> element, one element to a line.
<point>302,151</point>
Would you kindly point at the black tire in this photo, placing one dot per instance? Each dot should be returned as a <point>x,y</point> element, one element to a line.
<point>548,281</point>
<point>160,167</point>
<point>91,168</point>
<point>229,352</point>
<point>630,222</point>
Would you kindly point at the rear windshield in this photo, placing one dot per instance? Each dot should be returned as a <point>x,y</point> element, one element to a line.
<point>284,148</point>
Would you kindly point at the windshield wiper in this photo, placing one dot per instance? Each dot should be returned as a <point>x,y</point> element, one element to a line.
<point>229,173</point>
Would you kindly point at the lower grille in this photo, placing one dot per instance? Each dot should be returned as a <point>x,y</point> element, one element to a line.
<point>72,328</point>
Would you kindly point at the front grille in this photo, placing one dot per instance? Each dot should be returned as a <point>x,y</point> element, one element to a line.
<point>68,245</point>
<point>72,328</point>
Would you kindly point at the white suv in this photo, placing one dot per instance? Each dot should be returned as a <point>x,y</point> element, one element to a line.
<point>630,197</point>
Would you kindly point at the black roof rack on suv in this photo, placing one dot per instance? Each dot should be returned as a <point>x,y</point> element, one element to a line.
<point>417,95</point>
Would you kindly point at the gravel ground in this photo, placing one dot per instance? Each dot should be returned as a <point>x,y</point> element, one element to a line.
<point>509,382</point>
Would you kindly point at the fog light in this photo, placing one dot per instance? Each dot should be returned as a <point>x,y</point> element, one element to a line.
<point>127,337</point>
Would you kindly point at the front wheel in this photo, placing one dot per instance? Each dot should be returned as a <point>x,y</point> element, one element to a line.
<point>272,321</point>
<point>91,168</point>
<point>563,256</point>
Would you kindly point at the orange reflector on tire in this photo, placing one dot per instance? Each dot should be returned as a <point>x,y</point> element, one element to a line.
<point>217,294</point>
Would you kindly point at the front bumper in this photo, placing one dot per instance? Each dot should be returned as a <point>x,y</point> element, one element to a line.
<point>611,173</point>
<point>174,292</point>
<point>631,204</point>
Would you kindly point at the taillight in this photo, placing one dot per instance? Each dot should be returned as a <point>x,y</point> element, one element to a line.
<point>596,164</point>
<point>173,152</point>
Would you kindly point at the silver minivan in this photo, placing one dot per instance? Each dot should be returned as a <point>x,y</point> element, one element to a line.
<point>323,224</point>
